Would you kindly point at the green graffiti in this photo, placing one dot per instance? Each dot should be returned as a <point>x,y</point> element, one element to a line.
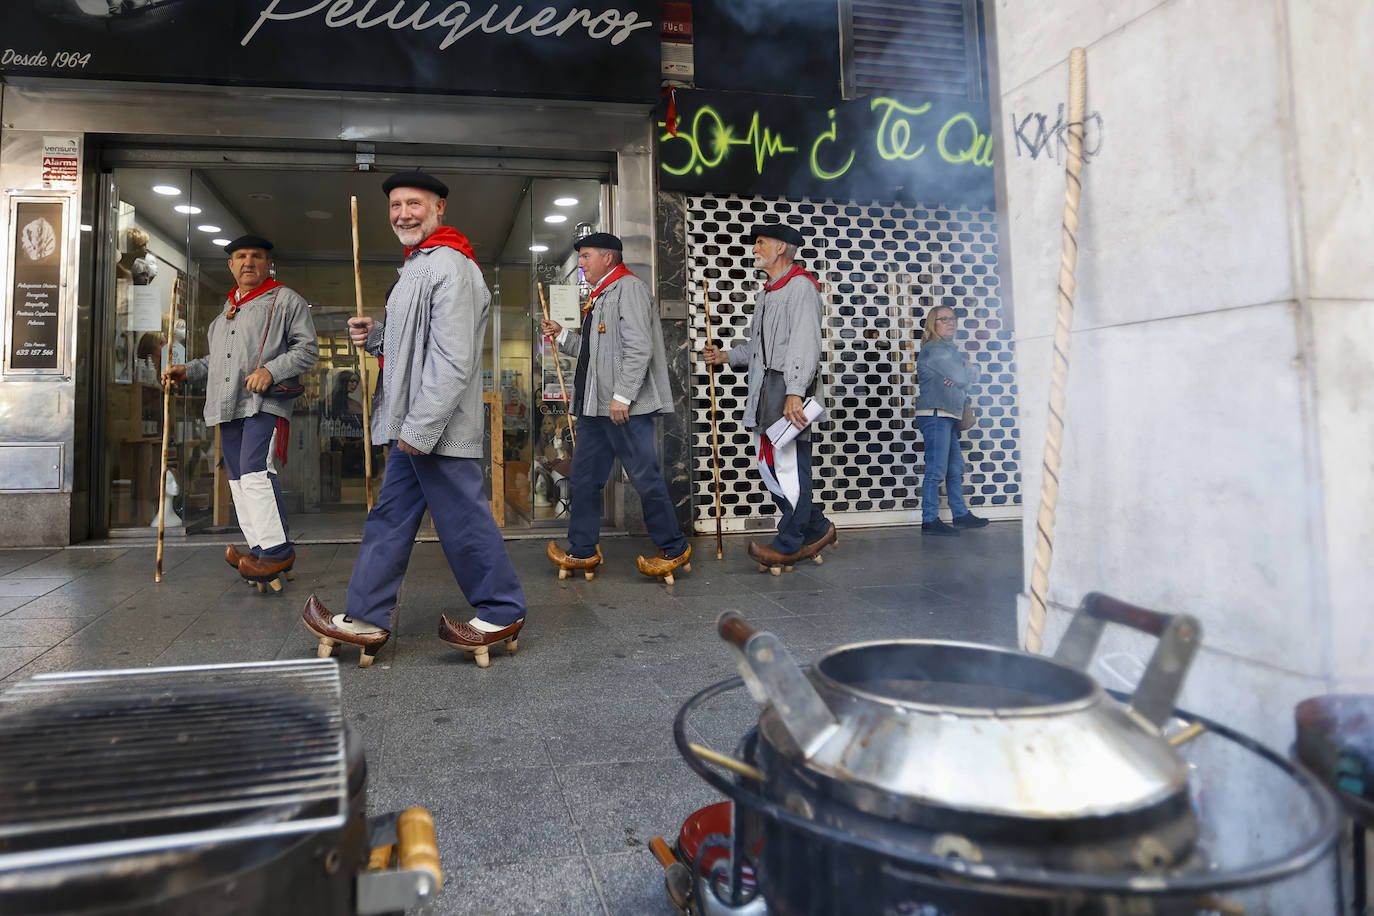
<point>706,141</point>
<point>720,137</point>
<point>978,150</point>
<point>895,135</point>
<point>829,135</point>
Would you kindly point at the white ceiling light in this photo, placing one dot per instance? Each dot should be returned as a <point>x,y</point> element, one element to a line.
<point>565,201</point>
<point>167,189</point>
<point>187,209</point>
<point>538,247</point>
<point>208,227</point>
<point>555,218</point>
<point>220,242</point>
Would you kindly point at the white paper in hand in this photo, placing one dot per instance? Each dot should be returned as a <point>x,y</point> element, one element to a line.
<point>783,432</point>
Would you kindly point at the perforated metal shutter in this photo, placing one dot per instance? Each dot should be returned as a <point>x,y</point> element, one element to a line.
<point>911,46</point>
<point>880,267</point>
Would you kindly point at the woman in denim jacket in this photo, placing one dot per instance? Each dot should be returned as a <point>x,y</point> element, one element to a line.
<point>944,375</point>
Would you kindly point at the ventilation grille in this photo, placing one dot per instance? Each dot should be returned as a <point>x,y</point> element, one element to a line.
<point>881,267</point>
<point>913,47</point>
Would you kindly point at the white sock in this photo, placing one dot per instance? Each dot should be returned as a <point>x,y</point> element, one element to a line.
<point>356,627</point>
<point>483,627</point>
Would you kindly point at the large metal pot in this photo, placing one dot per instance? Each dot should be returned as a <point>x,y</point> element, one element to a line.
<point>966,751</point>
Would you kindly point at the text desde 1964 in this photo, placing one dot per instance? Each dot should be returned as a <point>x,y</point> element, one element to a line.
<point>62,60</point>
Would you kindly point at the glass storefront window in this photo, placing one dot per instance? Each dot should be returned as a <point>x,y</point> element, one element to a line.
<point>167,259</point>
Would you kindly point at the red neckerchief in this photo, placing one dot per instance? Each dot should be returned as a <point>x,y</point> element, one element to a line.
<point>235,303</point>
<point>447,237</point>
<point>620,271</point>
<point>796,271</point>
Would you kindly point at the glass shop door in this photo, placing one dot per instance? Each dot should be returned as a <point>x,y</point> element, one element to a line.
<point>167,279</point>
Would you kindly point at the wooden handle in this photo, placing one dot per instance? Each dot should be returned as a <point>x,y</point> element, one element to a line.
<point>416,844</point>
<point>729,763</point>
<point>364,398</point>
<point>715,434</point>
<point>662,852</point>
<point>1114,610</point>
<point>166,434</point>
<point>732,628</point>
<point>558,368</point>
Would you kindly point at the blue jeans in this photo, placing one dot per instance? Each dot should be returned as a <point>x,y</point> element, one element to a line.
<point>944,461</point>
<point>599,443</point>
<point>452,490</point>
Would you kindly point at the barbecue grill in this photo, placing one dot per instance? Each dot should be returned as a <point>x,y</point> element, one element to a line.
<point>189,790</point>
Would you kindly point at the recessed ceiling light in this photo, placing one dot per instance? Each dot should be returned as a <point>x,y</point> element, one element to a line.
<point>555,218</point>
<point>169,190</point>
<point>537,247</point>
<point>318,214</point>
<point>187,209</point>
<point>209,227</point>
<point>220,242</point>
<point>565,201</point>
<point>85,227</point>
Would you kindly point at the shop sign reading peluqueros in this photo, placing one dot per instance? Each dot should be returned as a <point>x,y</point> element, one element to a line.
<point>933,150</point>
<point>594,49</point>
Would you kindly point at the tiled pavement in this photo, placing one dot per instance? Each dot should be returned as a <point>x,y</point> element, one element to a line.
<point>548,772</point>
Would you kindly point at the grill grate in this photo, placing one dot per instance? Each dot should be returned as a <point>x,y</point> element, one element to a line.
<point>103,763</point>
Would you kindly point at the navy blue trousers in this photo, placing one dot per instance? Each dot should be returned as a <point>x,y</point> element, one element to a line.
<point>452,490</point>
<point>599,443</point>
<point>786,473</point>
<point>247,445</point>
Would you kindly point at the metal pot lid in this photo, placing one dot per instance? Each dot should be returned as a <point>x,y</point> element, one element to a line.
<point>984,730</point>
<point>967,727</point>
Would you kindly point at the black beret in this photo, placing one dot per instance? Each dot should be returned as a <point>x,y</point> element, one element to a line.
<point>602,240</point>
<point>422,180</point>
<point>248,241</point>
<point>775,231</point>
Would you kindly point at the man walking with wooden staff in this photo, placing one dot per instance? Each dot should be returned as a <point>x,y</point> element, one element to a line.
<point>260,345</point>
<point>431,414</point>
<point>620,382</point>
<point>783,356</point>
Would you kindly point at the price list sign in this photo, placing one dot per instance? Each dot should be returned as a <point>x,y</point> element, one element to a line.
<point>36,285</point>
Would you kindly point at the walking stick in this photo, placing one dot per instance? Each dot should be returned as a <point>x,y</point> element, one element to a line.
<point>715,440</point>
<point>558,366</point>
<point>362,362</point>
<point>1054,432</point>
<point>166,436</point>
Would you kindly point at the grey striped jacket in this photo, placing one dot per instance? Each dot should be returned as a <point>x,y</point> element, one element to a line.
<point>289,348</point>
<point>431,347</point>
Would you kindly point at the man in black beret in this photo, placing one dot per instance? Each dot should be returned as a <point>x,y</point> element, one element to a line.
<point>620,382</point>
<point>431,414</point>
<point>782,355</point>
<point>260,345</point>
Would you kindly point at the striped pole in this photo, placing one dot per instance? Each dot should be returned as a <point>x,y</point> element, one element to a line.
<point>1059,373</point>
